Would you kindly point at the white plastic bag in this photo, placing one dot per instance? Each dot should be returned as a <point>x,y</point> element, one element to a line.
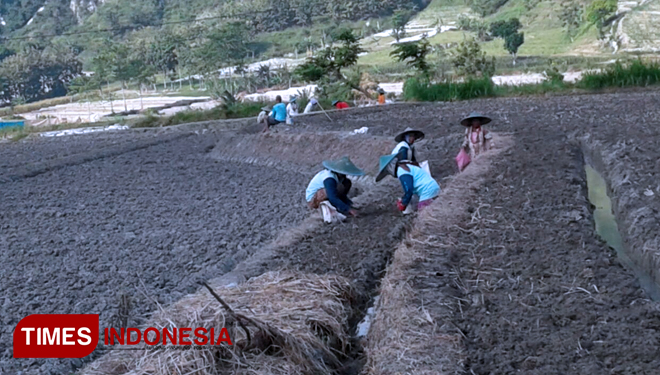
<point>330,213</point>
<point>425,166</point>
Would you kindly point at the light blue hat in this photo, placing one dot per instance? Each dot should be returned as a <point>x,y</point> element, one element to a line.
<point>385,161</point>
<point>343,166</point>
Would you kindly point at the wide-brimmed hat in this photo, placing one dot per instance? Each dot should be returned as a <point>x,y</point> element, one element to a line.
<point>419,135</point>
<point>384,161</point>
<point>293,99</point>
<point>343,166</point>
<point>475,115</point>
<point>266,108</point>
<point>334,102</point>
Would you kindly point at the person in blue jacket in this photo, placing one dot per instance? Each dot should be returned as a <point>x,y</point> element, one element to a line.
<point>414,180</point>
<point>276,116</point>
<point>405,149</point>
<point>333,185</point>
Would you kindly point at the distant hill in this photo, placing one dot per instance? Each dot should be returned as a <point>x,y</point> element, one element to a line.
<point>32,17</point>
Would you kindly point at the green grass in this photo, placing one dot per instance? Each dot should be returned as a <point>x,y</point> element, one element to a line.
<point>419,90</point>
<point>635,74</point>
<point>238,110</point>
<point>619,75</point>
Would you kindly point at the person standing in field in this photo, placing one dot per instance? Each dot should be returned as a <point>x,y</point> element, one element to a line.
<point>276,116</point>
<point>340,105</point>
<point>291,110</point>
<point>381,96</point>
<point>477,139</point>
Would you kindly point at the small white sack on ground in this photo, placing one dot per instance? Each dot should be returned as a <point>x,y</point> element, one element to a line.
<point>362,130</point>
<point>330,213</point>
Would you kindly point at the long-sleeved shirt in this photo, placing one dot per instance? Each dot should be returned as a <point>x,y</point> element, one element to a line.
<point>417,182</point>
<point>310,106</point>
<point>291,111</point>
<point>328,181</point>
<point>404,151</point>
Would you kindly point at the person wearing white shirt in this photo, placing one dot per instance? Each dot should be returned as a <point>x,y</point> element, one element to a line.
<point>310,106</point>
<point>291,111</point>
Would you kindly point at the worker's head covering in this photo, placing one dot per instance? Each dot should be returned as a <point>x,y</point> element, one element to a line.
<point>334,102</point>
<point>380,90</point>
<point>343,166</point>
<point>313,101</point>
<point>387,165</point>
<point>293,99</point>
<point>266,108</point>
<point>419,135</point>
<point>475,116</point>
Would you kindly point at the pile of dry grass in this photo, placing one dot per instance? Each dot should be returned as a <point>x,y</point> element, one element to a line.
<point>412,332</point>
<point>279,323</point>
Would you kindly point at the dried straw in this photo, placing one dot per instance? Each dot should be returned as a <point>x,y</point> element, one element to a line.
<point>407,335</point>
<point>297,325</point>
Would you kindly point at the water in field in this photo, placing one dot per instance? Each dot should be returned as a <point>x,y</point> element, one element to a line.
<point>608,230</point>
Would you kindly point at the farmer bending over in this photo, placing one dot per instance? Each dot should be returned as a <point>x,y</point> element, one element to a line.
<point>405,150</point>
<point>310,106</point>
<point>414,180</point>
<point>329,189</point>
<point>340,105</point>
<point>277,115</point>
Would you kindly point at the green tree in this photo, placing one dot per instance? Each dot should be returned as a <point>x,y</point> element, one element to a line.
<point>225,46</point>
<point>83,86</point>
<point>414,54</point>
<point>508,30</point>
<point>104,72</point>
<point>330,61</point>
<point>512,42</point>
<point>485,7</point>
<point>571,18</point>
<point>598,12</point>
<point>399,21</point>
<point>470,60</point>
<point>501,29</point>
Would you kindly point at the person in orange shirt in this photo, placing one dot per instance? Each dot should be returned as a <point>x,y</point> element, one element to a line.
<point>340,105</point>
<point>381,96</point>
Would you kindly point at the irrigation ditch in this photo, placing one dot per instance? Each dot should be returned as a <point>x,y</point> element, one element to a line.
<point>505,273</point>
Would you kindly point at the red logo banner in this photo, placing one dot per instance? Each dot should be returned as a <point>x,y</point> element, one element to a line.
<point>56,336</point>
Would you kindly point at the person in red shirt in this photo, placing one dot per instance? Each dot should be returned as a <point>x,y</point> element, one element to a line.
<point>340,105</point>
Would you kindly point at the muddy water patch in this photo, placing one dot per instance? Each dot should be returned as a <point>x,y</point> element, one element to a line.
<point>608,229</point>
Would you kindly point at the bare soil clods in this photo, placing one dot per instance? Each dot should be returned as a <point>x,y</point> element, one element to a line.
<point>92,217</point>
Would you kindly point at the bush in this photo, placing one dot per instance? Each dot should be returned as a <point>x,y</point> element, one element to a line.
<point>415,89</point>
<point>637,73</point>
<point>471,61</point>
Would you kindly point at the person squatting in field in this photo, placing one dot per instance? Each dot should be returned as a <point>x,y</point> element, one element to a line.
<point>340,105</point>
<point>329,189</point>
<point>276,116</point>
<point>414,180</point>
<point>477,140</point>
<point>405,149</point>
